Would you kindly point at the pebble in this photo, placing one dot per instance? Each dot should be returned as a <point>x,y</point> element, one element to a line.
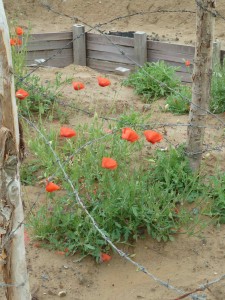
<point>146,107</point>
<point>62,294</point>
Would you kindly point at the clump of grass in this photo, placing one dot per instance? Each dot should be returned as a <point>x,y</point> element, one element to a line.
<point>217,104</point>
<point>144,84</point>
<point>41,96</point>
<point>177,102</point>
<point>140,197</point>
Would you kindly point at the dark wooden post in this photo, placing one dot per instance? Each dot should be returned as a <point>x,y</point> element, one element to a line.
<point>202,75</point>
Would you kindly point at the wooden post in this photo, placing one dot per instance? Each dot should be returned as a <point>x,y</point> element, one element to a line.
<point>12,249</point>
<point>140,47</point>
<point>79,45</point>
<point>202,75</point>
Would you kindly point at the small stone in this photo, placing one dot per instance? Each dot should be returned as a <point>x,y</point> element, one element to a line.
<point>122,71</point>
<point>62,294</point>
<point>146,107</point>
<point>65,267</point>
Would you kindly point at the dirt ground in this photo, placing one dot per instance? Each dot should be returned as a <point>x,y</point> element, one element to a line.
<point>185,263</point>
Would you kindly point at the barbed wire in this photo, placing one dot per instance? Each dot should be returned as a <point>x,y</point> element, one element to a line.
<point>76,18</point>
<point>104,236</point>
<point>94,223</point>
<point>162,84</point>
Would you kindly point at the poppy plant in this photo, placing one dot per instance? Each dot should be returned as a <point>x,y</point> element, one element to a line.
<point>129,135</point>
<point>51,187</point>
<point>103,81</point>
<point>187,63</point>
<point>152,136</point>
<point>105,257</point>
<point>18,42</point>
<point>78,86</point>
<point>109,163</point>
<point>22,94</point>
<point>13,42</point>
<point>67,132</point>
<point>19,31</point>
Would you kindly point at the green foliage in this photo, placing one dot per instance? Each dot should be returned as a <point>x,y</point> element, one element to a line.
<point>28,173</point>
<point>138,198</point>
<point>41,96</point>
<point>151,89</point>
<point>177,102</point>
<point>216,192</point>
<point>131,118</point>
<point>172,171</point>
<point>217,104</point>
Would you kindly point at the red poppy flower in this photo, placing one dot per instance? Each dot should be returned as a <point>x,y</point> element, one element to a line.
<point>51,187</point>
<point>19,31</point>
<point>105,257</point>
<point>153,136</point>
<point>103,81</point>
<point>129,135</point>
<point>18,42</point>
<point>67,132</point>
<point>109,163</point>
<point>78,86</point>
<point>13,42</point>
<point>22,94</point>
<point>187,63</point>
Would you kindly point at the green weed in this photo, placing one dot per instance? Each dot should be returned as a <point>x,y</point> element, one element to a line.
<point>140,197</point>
<point>177,102</point>
<point>217,104</point>
<point>149,88</point>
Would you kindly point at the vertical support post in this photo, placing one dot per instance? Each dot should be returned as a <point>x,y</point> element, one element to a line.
<point>216,53</point>
<point>202,75</point>
<point>140,47</point>
<point>79,45</point>
<point>12,248</point>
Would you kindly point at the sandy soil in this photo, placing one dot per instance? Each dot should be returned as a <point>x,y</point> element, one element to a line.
<point>176,26</point>
<point>188,261</point>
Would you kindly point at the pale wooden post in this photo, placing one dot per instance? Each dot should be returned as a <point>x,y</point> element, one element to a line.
<point>79,45</point>
<point>202,74</point>
<point>140,47</point>
<point>12,248</point>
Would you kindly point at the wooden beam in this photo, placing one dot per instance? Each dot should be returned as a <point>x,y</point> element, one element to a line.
<point>12,248</point>
<point>79,45</point>
<point>140,47</point>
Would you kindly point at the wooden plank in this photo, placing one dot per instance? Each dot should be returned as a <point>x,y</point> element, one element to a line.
<point>60,60</point>
<point>110,48</point>
<point>106,66</point>
<point>101,39</point>
<point>167,47</point>
<point>185,77</point>
<point>51,36</point>
<point>110,56</point>
<point>174,57</point>
<point>49,45</point>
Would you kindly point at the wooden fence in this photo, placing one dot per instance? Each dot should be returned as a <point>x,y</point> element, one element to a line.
<point>103,53</point>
